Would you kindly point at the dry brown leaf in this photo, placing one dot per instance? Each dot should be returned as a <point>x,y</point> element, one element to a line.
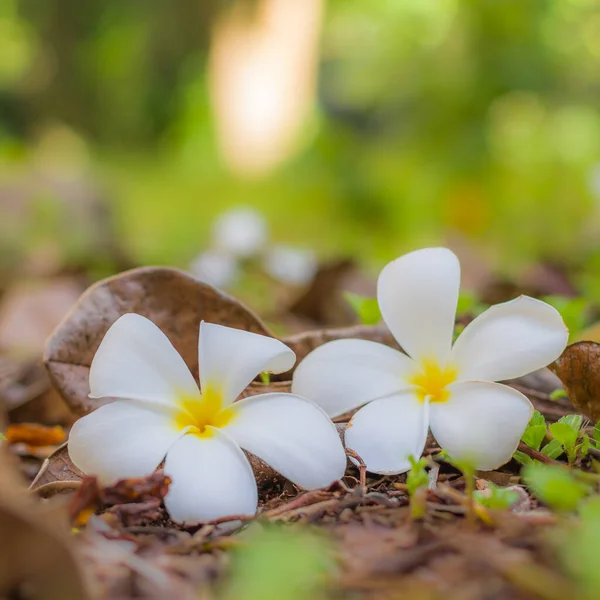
<point>303,343</point>
<point>322,303</point>
<point>579,370</point>
<point>173,300</point>
<point>34,434</point>
<point>37,550</point>
<point>57,474</point>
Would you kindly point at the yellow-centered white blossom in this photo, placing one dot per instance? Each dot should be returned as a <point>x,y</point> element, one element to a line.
<point>156,411</point>
<point>434,384</point>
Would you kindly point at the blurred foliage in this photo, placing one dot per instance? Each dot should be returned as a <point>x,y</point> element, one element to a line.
<point>433,117</point>
<point>556,486</point>
<point>577,542</point>
<point>275,563</point>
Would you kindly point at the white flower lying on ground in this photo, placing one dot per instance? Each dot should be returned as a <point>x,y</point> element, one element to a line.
<point>448,388</point>
<point>158,411</point>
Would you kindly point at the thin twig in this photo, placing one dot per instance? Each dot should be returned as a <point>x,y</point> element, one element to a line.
<point>536,455</point>
<point>432,475</point>
<point>229,518</point>
<point>531,393</point>
<point>362,468</point>
<point>303,500</point>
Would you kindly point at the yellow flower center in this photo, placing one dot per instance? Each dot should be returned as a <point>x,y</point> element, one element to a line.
<point>204,413</point>
<point>432,381</point>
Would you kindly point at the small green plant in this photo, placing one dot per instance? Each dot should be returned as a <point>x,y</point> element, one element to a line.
<point>533,436</point>
<point>367,309</point>
<point>536,431</point>
<point>556,486</point>
<point>496,497</point>
<point>595,441</point>
<point>468,470</point>
<point>567,431</point>
<point>567,435</point>
<point>416,485</point>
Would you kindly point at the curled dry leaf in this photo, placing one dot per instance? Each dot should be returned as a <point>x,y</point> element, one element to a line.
<point>579,370</point>
<point>37,548</point>
<point>58,474</point>
<point>173,300</point>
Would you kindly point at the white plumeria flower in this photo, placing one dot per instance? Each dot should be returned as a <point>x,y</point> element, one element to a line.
<point>158,411</point>
<point>240,231</point>
<point>444,387</point>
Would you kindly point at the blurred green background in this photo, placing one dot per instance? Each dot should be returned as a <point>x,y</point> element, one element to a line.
<point>420,121</point>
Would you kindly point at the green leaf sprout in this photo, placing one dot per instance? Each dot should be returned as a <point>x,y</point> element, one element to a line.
<point>367,309</point>
<point>496,497</point>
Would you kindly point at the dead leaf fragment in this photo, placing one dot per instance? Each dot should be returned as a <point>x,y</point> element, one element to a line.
<point>146,493</point>
<point>173,300</point>
<point>306,342</point>
<point>34,434</point>
<point>579,370</point>
<point>57,469</point>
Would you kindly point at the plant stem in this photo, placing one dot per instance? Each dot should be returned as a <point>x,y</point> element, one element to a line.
<point>470,493</point>
<point>418,504</point>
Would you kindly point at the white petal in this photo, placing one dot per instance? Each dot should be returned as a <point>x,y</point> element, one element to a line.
<point>292,435</point>
<point>344,374</point>
<point>418,294</point>
<point>386,432</point>
<point>481,422</point>
<point>510,340</point>
<point>121,440</point>
<point>210,478</point>
<point>231,358</point>
<point>136,360</point>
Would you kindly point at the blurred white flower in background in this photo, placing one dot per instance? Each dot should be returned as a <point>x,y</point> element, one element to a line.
<point>296,266</point>
<point>241,231</point>
<point>215,268</point>
<point>240,235</point>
